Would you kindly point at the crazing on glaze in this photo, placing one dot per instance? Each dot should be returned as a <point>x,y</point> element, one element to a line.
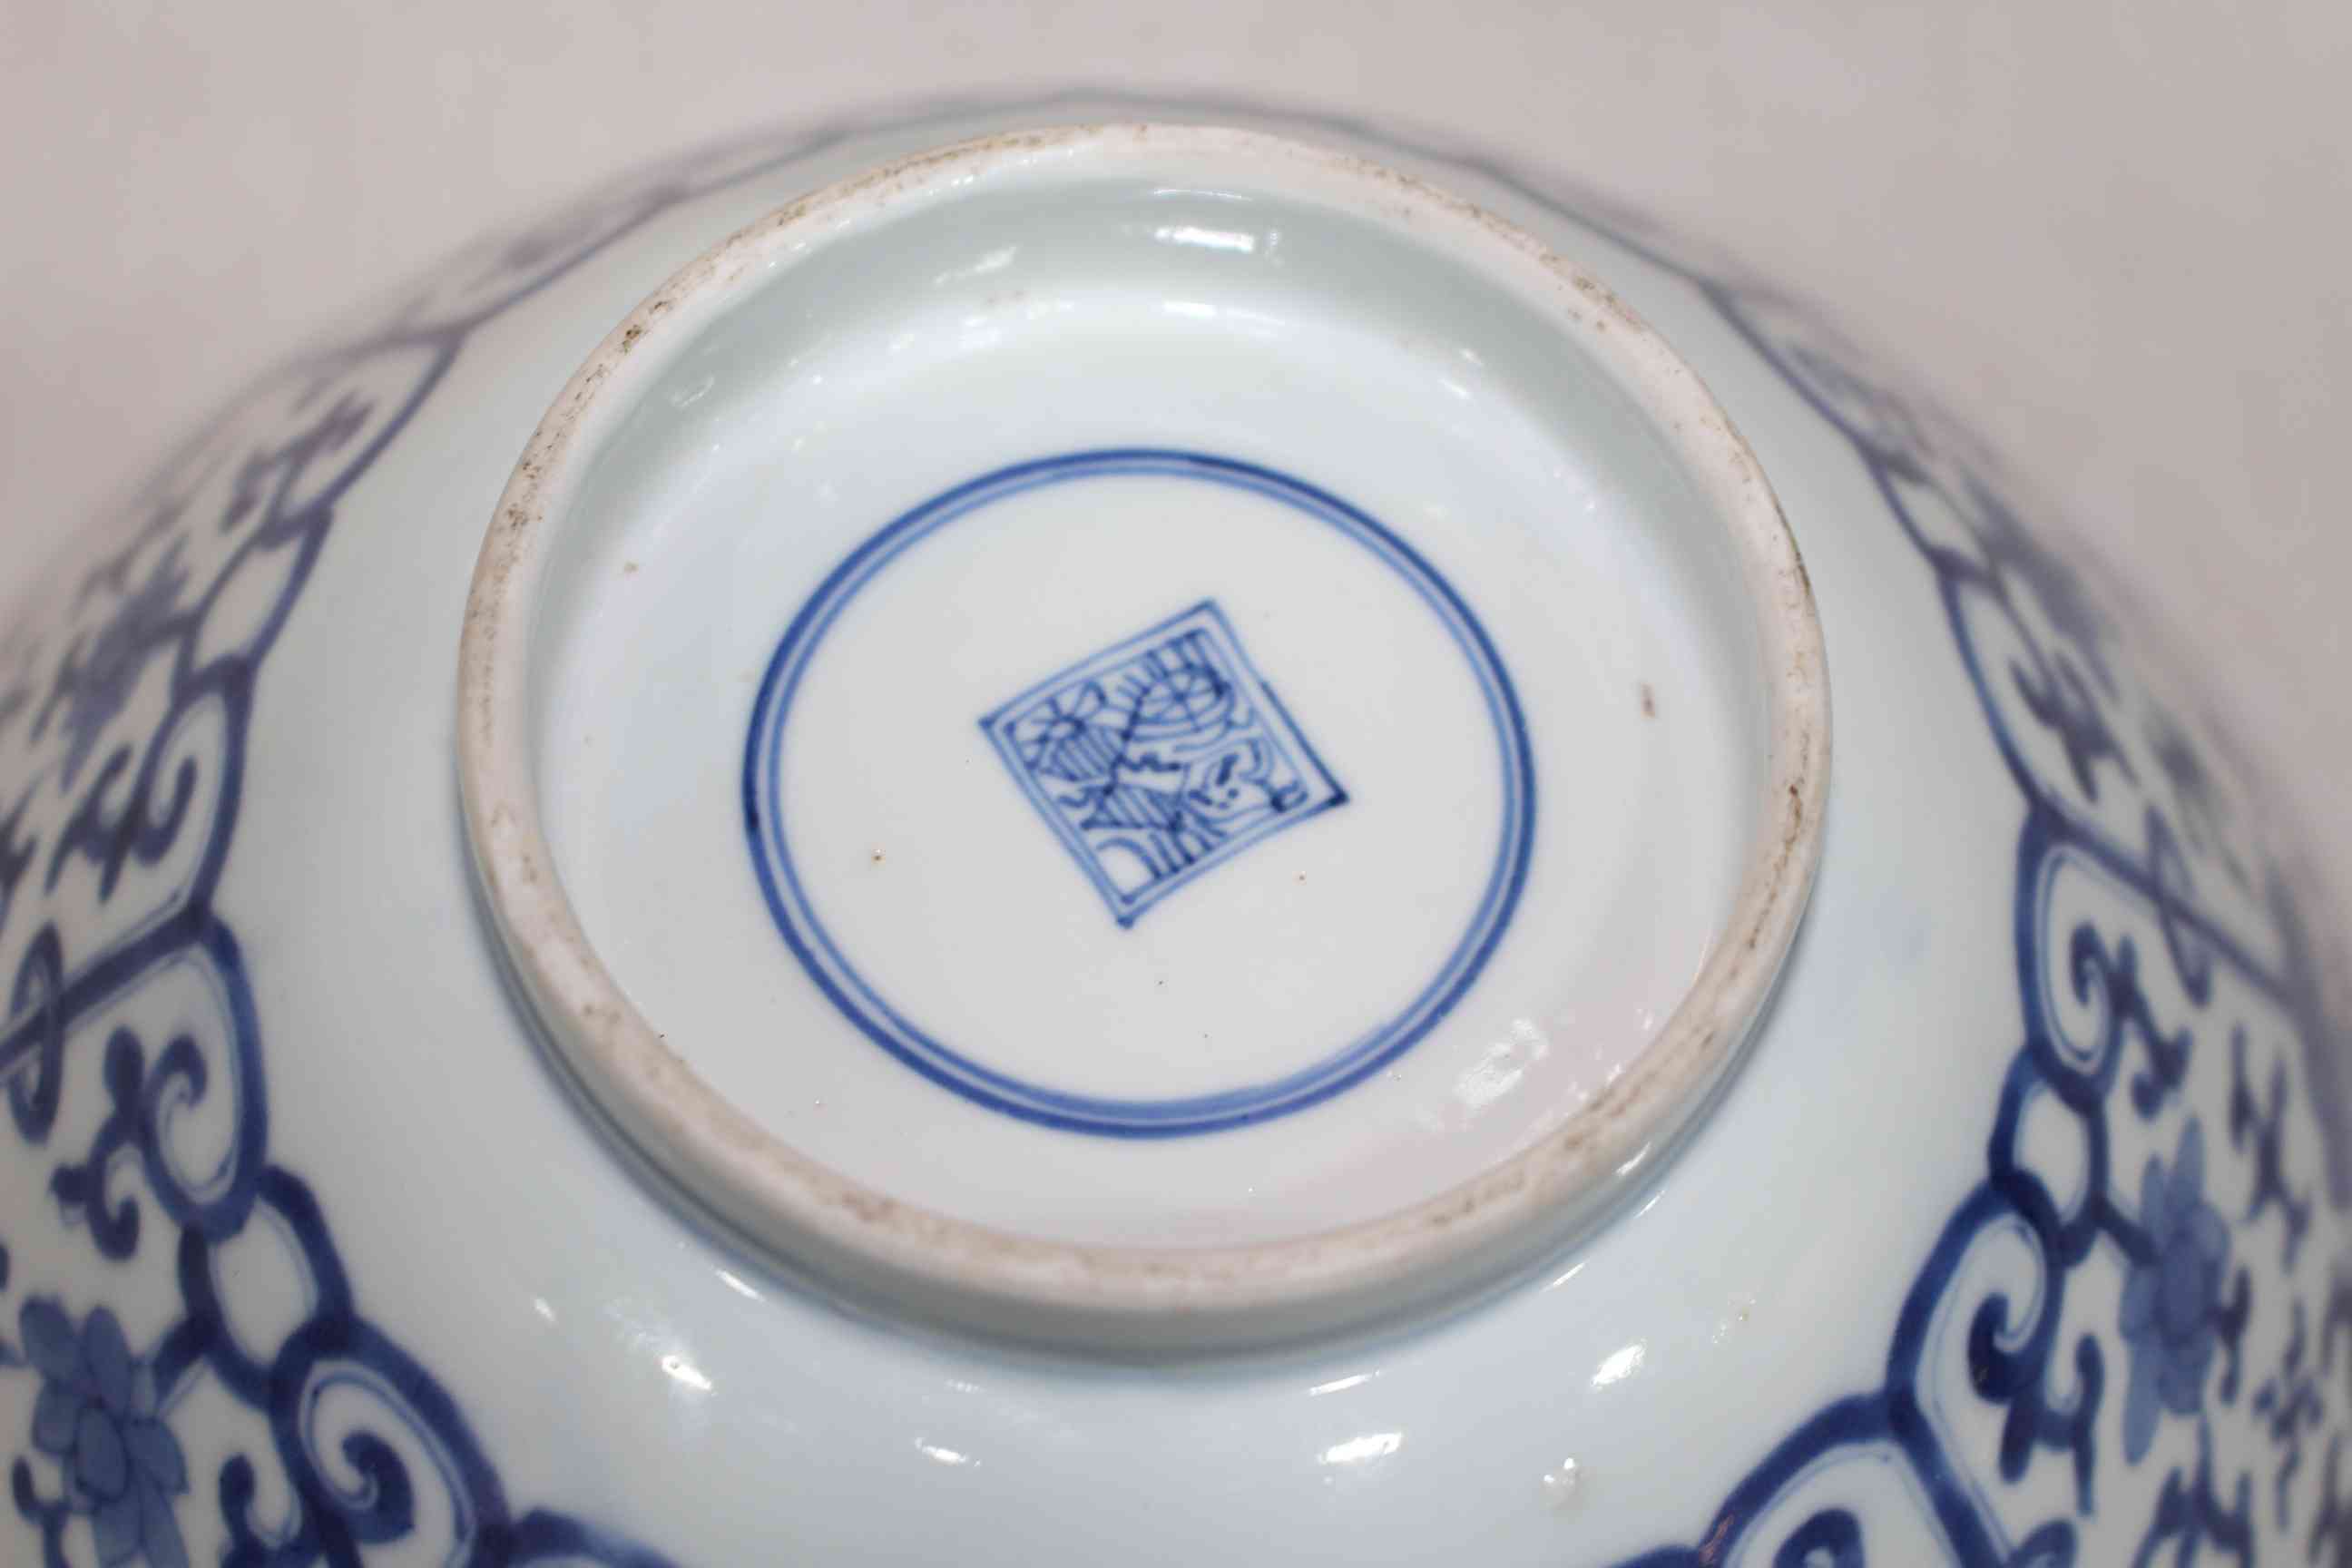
<point>2108,1272</point>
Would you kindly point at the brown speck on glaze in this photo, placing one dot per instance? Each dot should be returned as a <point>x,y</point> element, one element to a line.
<point>1649,701</point>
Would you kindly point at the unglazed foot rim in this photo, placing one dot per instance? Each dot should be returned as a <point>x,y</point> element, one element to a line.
<point>950,1269</point>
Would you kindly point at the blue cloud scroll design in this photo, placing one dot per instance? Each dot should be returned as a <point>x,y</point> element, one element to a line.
<point>2161,962</point>
<point>124,707</point>
<point>2074,1345</point>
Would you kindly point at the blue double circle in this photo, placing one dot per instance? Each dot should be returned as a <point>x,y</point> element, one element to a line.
<point>847,990</point>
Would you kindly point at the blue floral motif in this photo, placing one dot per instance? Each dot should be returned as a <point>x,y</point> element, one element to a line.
<point>121,795</point>
<point>2172,1299</point>
<point>97,1416</point>
<point>2121,807</point>
<point>101,1417</point>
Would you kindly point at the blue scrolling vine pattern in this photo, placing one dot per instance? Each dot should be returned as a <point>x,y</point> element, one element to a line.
<point>123,713</point>
<point>2124,1279</point>
<point>2104,1290</point>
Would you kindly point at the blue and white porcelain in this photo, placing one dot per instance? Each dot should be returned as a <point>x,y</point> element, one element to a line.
<point>1103,831</point>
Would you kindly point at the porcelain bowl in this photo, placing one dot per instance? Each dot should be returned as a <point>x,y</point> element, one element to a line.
<point>1088,831</point>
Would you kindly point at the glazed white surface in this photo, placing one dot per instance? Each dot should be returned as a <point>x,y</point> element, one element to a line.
<point>774,443</point>
<point>721,1399</point>
<point>2001,198</point>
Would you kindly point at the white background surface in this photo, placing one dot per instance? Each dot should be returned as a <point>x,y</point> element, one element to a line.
<point>2119,237</point>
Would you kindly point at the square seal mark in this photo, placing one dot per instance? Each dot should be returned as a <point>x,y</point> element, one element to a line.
<point>1159,757</point>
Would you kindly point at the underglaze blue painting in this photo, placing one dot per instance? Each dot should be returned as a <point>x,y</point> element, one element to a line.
<point>2132,1319</point>
<point>1154,760</point>
<point>2121,1320</point>
<point>1161,757</point>
<point>131,1050</point>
